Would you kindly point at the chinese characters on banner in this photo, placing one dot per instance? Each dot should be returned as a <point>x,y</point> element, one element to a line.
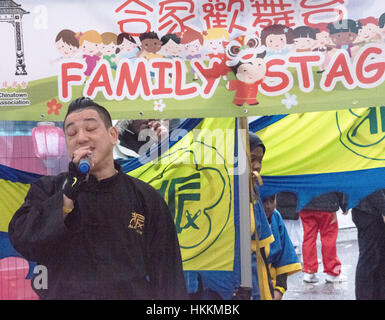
<point>170,16</point>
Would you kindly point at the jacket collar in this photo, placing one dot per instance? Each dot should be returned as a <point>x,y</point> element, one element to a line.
<point>95,184</point>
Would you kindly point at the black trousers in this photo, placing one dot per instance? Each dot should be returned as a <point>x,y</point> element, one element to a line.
<point>370,272</point>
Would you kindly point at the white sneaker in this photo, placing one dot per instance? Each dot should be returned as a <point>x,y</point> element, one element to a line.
<point>333,279</point>
<point>310,278</point>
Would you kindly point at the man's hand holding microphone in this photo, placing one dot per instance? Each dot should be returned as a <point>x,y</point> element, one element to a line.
<point>78,172</point>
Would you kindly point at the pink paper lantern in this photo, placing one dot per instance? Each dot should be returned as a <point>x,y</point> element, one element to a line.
<point>48,142</point>
<point>13,282</point>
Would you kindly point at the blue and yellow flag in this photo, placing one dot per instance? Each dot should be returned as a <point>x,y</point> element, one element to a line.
<point>314,153</point>
<point>14,185</point>
<point>195,177</point>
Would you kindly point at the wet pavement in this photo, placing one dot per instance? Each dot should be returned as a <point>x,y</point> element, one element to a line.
<point>347,251</point>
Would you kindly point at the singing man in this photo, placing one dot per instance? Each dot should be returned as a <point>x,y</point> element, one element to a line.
<point>101,234</point>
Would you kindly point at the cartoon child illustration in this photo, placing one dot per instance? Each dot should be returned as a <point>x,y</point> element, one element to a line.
<point>67,44</point>
<point>249,76</point>
<point>324,45</point>
<point>126,47</point>
<point>192,42</point>
<point>343,34</point>
<point>171,47</point>
<point>304,39</point>
<point>108,48</point>
<point>276,39</point>
<point>150,45</point>
<point>90,43</point>
<point>368,33</point>
<point>214,41</point>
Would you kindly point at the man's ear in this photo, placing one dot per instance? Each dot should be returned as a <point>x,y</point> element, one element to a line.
<point>113,132</point>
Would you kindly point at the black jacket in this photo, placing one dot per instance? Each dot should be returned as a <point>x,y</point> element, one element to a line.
<point>330,202</point>
<point>287,205</point>
<point>119,242</point>
<point>373,204</point>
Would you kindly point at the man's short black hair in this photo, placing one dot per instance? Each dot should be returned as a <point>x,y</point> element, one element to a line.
<point>87,103</point>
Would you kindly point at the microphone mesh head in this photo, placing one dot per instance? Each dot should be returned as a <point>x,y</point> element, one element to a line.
<point>84,166</point>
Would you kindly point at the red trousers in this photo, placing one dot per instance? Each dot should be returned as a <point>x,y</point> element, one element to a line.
<point>326,223</point>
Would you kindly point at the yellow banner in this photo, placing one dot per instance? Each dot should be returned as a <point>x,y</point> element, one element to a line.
<point>325,142</point>
<point>195,178</point>
<point>12,195</point>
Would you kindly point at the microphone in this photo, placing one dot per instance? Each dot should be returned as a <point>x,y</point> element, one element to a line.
<point>84,165</point>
